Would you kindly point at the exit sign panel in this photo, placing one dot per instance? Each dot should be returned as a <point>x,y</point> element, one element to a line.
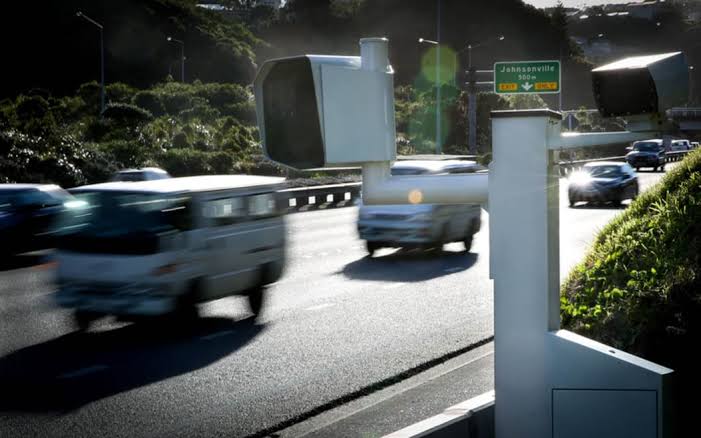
<point>527,77</point>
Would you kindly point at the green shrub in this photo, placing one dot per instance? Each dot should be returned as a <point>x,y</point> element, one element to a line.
<point>150,101</point>
<point>126,113</point>
<point>119,92</point>
<point>639,287</point>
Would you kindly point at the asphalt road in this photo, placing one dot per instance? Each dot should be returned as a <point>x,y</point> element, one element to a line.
<point>338,322</point>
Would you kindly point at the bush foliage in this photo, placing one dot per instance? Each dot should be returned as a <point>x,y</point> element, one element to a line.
<point>187,129</point>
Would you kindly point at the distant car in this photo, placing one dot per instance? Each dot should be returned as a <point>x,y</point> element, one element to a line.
<point>680,145</point>
<point>27,215</point>
<point>421,225</point>
<point>647,153</point>
<point>603,182</point>
<point>144,174</point>
<point>694,145</point>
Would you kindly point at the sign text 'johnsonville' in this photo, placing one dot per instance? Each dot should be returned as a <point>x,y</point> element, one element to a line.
<point>527,77</point>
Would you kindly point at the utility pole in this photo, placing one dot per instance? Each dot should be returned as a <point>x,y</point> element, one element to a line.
<point>472,95</point>
<point>472,109</point>
<point>439,148</point>
<point>182,56</point>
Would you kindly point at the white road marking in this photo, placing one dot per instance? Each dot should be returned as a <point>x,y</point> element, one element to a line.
<point>83,372</point>
<point>319,306</point>
<point>216,335</point>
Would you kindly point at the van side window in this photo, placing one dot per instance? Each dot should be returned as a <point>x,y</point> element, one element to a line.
<point>225,211</point>
<point>261,205</point>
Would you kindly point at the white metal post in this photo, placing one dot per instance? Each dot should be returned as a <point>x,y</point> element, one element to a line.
<point>524,263</point>
<point>550,383</point>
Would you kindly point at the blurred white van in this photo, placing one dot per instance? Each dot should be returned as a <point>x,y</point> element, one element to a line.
<point>160,247</point>
<point>424,225</point>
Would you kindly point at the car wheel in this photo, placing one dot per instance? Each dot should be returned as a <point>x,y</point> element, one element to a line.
<point>572,202</point>
<point>654,169</point>
<point>662,168</point>
<point>84,319</point>
<point>637,169</point>
<point>256,299</point>
<point>372,247</point>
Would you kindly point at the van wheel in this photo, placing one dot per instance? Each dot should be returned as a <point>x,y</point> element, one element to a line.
<point>372,247</point>
<point>84,319</point>
<point>186,310</point>
<point>256,299</point>
<point>468,242</point>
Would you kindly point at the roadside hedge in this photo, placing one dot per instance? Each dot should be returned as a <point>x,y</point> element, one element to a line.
<point>639,287</point>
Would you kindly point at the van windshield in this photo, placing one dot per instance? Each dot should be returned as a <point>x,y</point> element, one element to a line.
<point>121,222</point>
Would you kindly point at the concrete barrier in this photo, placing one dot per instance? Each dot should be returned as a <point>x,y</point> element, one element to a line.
<point>473,418</point>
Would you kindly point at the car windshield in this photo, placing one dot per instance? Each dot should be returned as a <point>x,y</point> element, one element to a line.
<point>647,147</point>
<point>605,171</point>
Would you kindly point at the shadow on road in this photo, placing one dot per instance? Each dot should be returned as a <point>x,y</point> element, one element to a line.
<point>73,370</point>
<point>409,266</point>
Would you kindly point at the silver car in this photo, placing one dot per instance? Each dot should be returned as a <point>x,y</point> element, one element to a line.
<point>425,226</point>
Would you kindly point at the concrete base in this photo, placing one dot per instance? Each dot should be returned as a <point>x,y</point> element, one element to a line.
<point>473,418</point>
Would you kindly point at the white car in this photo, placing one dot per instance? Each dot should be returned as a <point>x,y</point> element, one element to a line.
<point>423,225</point>
<point>143,174</point>
<point>680,145</point>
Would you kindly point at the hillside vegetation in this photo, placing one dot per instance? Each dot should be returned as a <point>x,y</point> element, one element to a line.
<point>188,129</point>
<point>639,288</point>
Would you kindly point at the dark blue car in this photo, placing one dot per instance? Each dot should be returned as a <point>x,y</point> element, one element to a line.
<point>603,182</point>
<point>27,216</point>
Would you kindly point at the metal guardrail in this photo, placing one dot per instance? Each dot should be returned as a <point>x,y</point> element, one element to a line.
<point>301,199</point>
<point>318,197</point>
<point>567,167</point>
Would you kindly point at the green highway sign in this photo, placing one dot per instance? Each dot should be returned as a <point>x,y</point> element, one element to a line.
<point>527,77</point>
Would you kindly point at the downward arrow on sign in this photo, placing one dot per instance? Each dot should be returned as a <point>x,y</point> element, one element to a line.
<point>527,86</point>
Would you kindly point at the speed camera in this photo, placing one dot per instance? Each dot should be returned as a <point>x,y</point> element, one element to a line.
<point>641,85</point>
<point>325,111</point>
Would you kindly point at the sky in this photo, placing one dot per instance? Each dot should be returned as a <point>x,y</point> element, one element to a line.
<point>573,3</point>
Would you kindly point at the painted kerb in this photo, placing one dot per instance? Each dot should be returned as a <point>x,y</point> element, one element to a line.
<point>527,77</point>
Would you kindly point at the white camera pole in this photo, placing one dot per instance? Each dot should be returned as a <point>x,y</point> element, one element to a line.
<point>550,382</point>
<point>378,185</point>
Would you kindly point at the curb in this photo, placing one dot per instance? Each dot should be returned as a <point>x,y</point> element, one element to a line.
<point>473,418</point>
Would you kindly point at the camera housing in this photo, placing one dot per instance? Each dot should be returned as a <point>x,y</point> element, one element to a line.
<point>325,111</point>
<point>641,85</point>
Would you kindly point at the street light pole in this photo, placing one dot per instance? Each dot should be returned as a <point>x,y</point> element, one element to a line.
<point>79,14</point>
<point>438,92</point>
<point>472,99</point>
<point>182,56</point>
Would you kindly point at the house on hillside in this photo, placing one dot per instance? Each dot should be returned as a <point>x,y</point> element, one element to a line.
<point>648,10</point>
